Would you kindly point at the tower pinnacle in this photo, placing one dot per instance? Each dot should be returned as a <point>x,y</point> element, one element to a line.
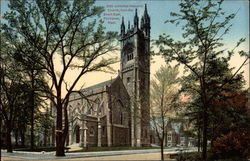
<point>136,19</point>
<point>145,22</point>
<point>122,27</point>
<point>146,16</point>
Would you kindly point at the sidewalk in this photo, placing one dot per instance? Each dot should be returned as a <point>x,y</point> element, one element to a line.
<point>151,156</point>
<point>148,154</point>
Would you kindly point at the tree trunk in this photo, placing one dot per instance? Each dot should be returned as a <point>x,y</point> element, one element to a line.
<point>45,137</point>
<point>213,136</point>
<point>8,139</point>
<point>205,118</point>
<point>53,135</point>
<point>16,138</point>
<point>32,129</point>
<point>66,124</point>
<point>162,149</point>
<point>22,138</point>
<point>199,139</point>
<point>212,141</point>
<point>162,142</point>
<point>59,132</point>
<point>0,137</point>
<point>204,140</point>
<point>32,113</point>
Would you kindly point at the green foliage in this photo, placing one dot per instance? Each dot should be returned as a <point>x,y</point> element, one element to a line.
<point>206,62</point>
<point>204,25</point>
<point>65,31</point>
<point>14,89</point>
<point>14,92</point>
<point>164,98</point>
<point>164,93</point>
<point>162,86</point>
<point>39,149</point>
<point>94,149</point>
<point>59,28</point>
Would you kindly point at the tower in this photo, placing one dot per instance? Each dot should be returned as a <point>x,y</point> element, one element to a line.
<point>135,73</point>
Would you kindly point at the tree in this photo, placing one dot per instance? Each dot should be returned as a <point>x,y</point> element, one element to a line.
<point>164,99</point>
<point>204,25</point>
<point>44,124</point>
<point>13,89</point>
<point>32,64</point>
<point>32,73</point>
<point>66,31</point>
<point>235,144</point>
<point>21,123</point>
<point>217,73</point>
<point>13,100</point>
<point>231,115</point>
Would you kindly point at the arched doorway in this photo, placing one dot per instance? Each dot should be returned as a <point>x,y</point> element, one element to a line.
<point>77,134</point>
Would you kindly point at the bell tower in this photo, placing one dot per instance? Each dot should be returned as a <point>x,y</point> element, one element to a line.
<point>135,73</point>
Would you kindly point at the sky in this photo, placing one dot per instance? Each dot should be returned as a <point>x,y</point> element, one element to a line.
<point>159,12</point>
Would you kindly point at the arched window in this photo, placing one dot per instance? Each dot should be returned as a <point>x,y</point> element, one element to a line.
<point>97,101</point>
<point>90,109</point>
<point>101,109</point>
<point>73,113</point>
<point>70,111</point>
<point>77,134</point>
<point>121,118</point>
<point>97,106</point>
<point>103,131</point>
<point>79,108</point>
<point>130,56</point>
<point>169,137</point>
<point>120,106</point>
<point>128,79</point>
<point>91,131</point>
<point>128,52</point>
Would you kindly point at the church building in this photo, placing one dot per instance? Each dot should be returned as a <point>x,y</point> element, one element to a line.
<point>116,112</point>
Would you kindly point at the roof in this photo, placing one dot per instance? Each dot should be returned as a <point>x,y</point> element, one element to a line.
<point>174,126</point>
<point>102,84</point>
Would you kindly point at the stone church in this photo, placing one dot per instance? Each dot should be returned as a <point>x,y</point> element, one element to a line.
<point>116,112</point>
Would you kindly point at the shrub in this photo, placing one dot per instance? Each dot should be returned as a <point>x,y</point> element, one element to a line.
<point>232,145</point>
<point>187,156</point>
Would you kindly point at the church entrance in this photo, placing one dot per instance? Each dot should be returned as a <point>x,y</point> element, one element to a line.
<point>77,134</point>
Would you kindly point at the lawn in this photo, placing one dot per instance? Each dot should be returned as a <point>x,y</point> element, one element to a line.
<point>90,149</point>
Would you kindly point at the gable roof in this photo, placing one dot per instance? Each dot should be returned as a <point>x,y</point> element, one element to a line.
<point>102,84</point>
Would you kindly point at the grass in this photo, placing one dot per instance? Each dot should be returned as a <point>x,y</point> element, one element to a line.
<point>38,149</point>
<point>92,149</point>
<point>89,149</point>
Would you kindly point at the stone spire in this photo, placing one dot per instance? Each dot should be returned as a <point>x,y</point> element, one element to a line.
<point>136,19</point>
<point>122,27</point>
<point>146,16</point>
<point>128,25</point>
<point>145,22</point>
